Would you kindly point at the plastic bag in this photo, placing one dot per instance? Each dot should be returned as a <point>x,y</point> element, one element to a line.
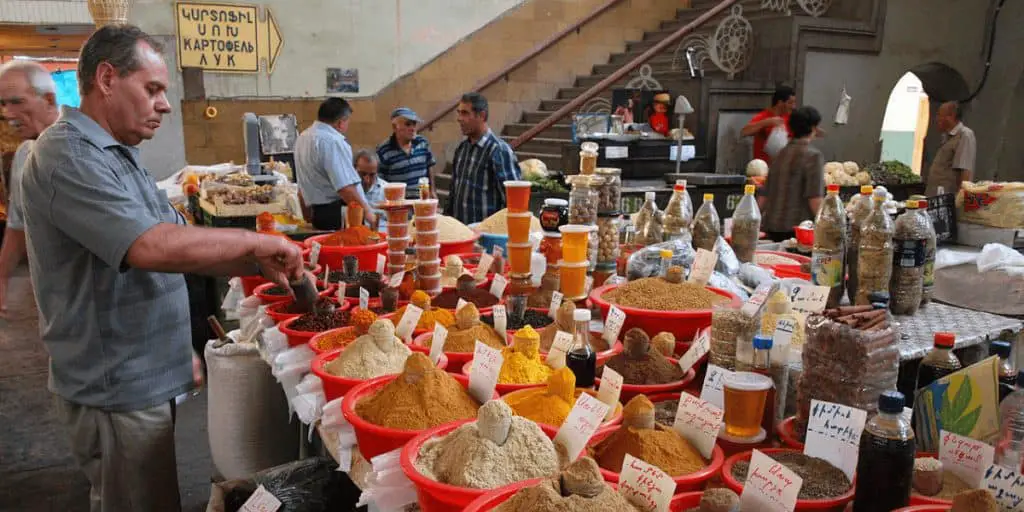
<point>752,276</point>
<point>777,139</point>
<point>646,262</point>
<point>999,205</point>
<point>719,280</point>
<point>728,263</point>
<point>1000,257</point>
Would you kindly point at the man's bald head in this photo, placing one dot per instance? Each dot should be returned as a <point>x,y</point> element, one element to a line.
<point>948,116</point>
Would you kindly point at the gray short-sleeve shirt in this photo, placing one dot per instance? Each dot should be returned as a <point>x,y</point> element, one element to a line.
<point>119,338</point>
<point>15,219</point>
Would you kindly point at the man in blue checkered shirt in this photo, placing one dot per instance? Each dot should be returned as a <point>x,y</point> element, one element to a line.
<point>482,163</point>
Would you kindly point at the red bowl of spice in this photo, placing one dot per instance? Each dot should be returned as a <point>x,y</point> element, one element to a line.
<point>631,390</point>
<point>332,254</point>
<point>683,324</point>
<point>482,299</point>
<point>787,434</point>
<point>457,246</point>
<point>281,311</point>
<point>335,386</point>
<point>836,503</point>
<point>301,329</point>
<point>923,508</point>
<point>456,360</point>
<point>269,293</point>
<point>691,482</point>
<point>491,500</point>
<point>616,418</point>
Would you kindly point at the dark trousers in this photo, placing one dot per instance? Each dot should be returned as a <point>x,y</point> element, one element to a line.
<point>327,217</point>
<point>779,236</point>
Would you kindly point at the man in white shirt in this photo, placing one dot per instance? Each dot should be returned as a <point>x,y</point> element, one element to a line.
<point>29,102</point>
<point>954,161</point>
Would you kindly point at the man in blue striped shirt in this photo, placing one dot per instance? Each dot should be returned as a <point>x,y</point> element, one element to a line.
<point>482,163</point>
<point>405,156</point>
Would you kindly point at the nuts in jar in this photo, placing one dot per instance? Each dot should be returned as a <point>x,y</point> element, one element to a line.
<point>608,237</point>
<point>583,199</point>
<point>609,191</point>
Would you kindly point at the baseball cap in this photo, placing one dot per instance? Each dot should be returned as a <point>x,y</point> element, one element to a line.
<point>407,113</point>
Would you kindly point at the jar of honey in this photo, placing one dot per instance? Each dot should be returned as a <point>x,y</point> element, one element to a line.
<point>551,247</point>
<point>573,279</point>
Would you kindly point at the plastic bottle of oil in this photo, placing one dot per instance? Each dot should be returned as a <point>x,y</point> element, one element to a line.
<point>939,362</point>
<point>885,465</point>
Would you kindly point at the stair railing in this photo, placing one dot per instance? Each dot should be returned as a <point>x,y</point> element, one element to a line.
<point>620,73</point>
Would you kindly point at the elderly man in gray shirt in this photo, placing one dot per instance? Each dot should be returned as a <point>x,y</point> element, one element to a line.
<point>107,252</point>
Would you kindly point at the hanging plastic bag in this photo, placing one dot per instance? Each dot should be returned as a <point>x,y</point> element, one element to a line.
<point>777,139</point>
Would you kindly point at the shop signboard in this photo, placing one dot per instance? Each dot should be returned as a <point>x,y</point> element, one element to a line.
<point>229,38</point>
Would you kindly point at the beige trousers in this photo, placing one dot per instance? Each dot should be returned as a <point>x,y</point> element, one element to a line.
<point>128,457</point>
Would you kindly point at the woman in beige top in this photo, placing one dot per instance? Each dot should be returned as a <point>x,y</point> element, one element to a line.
<point>795,185</point>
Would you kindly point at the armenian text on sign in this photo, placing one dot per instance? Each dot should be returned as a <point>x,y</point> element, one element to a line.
<point>225,37</point>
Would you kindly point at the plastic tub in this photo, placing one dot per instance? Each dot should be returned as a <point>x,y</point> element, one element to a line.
<point>787,434</point>
<point>631,390</point>
<point>519,257</point>
<point>275,314</point>
<point>398,230</point>
<point>616,418</point>
<point>575,240</point>
<point>394,191</point>
<point>458,246</point>
<point>693,482</point>
<point>335,386</point>
<point>683,324</point>
<point>431,282</point>
<point>372,439</point>
<point>249,283</point>
<point>260,292</point>
<point>917,499</point>
<point>804,236</point>
<point>332,255</point>
<point>429,268</point>
<point>490,501</point>
<point>428,238</point>
<point>837,504</point>
<point>519,227</point>
<point>573,281</point>
<point>426,223</point>
<point>517,195</point>
<point>396,258</point>
<point>398,244</point>
<point>428,252</point>
<point>424,207</point>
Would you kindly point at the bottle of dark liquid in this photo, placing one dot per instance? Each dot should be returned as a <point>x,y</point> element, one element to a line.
<point>1007,373</point>
<point>581,358</point>
<point>885,467</point>
<point>939,362</point>
<point>763,365</point>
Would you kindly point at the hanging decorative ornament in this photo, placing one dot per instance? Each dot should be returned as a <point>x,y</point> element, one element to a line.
<point>109,12</point>
<point>645,80</point>
<point>815,8</point>
<point>731,45</point>
<point>777,5</point>
<point>597,106</point>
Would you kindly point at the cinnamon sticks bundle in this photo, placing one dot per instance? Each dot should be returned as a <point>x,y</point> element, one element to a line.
<point>863,318</point>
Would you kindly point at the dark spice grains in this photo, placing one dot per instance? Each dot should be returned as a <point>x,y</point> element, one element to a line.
<point>533,318</point>
<point>281,290</point>
<point>293,307</point>
<point>821,479</point>
<point>369,280</point>
<point>450,299</point>
<point>320,322</point>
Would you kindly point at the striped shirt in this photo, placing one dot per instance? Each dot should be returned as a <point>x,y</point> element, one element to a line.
<point>478,173</point>
<point>397,166</point>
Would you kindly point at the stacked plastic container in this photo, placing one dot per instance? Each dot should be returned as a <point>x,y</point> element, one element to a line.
<point>519,218</point>
<point>397,209</point>
<point>428,245</point>
<point>609,220</point>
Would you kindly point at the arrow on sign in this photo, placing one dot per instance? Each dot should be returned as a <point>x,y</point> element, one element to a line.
<point>273,40</point>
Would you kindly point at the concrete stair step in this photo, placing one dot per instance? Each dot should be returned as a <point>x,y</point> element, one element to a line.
<point>541,145</point>
<point>558,131</point>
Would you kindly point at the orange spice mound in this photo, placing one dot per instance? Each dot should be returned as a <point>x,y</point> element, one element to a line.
<point>353,236</point>
<point>336,339</point>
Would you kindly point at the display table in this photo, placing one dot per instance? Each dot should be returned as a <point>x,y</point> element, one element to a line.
<point>972,328</point>
<point>641,158</point>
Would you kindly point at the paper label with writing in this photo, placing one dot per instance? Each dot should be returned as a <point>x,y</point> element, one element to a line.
<point>756,301</point>
<point>809,298</point>
<point>770,486</point>
<point>580,425</point>
<point>340,292</point>
<point>459,304</point>
<point>610,389</point>
<point>699,422</point>
<point>783,334</point>
<point>645,486</point>
<point>616,152</point>
<point>713,390</point>
<point>559,348</point>
<point>500,319</point>
<point>407,324</point>
<point>498,285</point>
<point>380,264</point>
<point>314,254</point>
<point>481,270</point>
<point>497,251</point>
<point>698,349</point>
<point>613,324</point>
<point>688,153</point>
<point>261,501</point>
<point>483,378</point>
<point>703,266</point>
<point>967,458</point>
<point>727,228</point>
<point>833,434</point>
<point>1007,486</point>
<point>437,341</point>
<point>364,298</point>
<point>396,279</point>
<point>556,302</point>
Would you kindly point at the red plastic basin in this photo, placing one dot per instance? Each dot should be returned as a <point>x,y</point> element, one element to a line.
<point>457,246</point>
<point>333,255</point>
<point>314,342</point>
<point>923,508</point>
<point>799,258</point>
<point>787,434</point>
<point>631,390</point>
<point>793,271</point>
<point>683,324</point>
<point>335,386</point>
<point>275,314</point>
<point>616,418</point>
<point>260,292</point>
<point>372,439</point>
<point>295,338</point>
<point>804,236</point>
<point>693,482</point>
<point>837,504</point>
<point>249,284</point>
<point>491,500</point>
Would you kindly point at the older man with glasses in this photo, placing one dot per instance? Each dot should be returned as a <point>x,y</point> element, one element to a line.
<point>405,156</point>
<point>366,165</point>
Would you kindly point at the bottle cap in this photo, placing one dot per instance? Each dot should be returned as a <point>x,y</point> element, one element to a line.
<point>665,253</point>
<point>866,189</point>
<point>879,298</point>
<point>749,190</point>
<point>581,315</point>
<point>649,196</point>
<point>424,181</point>
<point>1020,378</point>
<point>681,183</point>
<point>679,188</point>
<point>912,205</point>
<point>762,343</point>
<point>709,197</point>
<point>554,201</point>
<point>891,402</point>
<point>945,339</point>
<point>832,189</point>
<point>1000,348</point>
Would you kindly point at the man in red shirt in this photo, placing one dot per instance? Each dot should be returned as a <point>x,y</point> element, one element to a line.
<point>762,124</point>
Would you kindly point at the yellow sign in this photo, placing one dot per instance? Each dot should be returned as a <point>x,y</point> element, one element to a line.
<point>226,37</point>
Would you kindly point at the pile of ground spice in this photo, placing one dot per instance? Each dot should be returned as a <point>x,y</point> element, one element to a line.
<point>658,294</point>
<point>449,299</point>
<point>421,397</point>
<point>975,500</point>
<point>496,450</point>
<point>359,320</point>
<point>644,439</point>
<point>821,479</point>
<point>639,364</point>
<point>531,317</point>
<point>371,355</point>
<point>468,329</point>
<point>549,405</point>
<point>579,488</point>
<point>430,316</point>
<point>522,363</point>
<point>564,322</point>
<point>351,237</point>
<point>718,500</point>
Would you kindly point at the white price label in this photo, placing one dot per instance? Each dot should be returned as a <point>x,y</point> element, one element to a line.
<point>967,458</point>
<point>583,420</point>
<point>833,434</point>
<point>727,228</point>
<point>261,501</point>
<point>497,251</point>
<point>1007,486</point>
<point>380,264</point>
<point>340,293</point>
<point>699,422</point>
<point>498,285</point>
<point>500,319</point>
<point>396,279</point>
<point>809,298</point>
<point>556,302</point>
<point>364,298</point>
<point>689,153</point>
<point>713,390</point>
<point>613,325</point>
<point>783,334</point>
<point>407,324</point>
<point>616,152</point>
<point>459,304</point>
<point>770,486</point>
<point>559,348</point>
<point>437,341</point>
<point>483,378</point>
<point>703,266</point>
<point>698,349</point>
<point>485,265</point>
<point>610,390</point>
<point>645,486</point>
<point>314,254</point>
<point>756,301</point>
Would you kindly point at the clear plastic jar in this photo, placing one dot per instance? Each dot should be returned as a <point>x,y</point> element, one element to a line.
<point>583,199</point>
<point>732,332</point>
<point>609,192</point>
<point>588,157</point>
<point>608,226</point>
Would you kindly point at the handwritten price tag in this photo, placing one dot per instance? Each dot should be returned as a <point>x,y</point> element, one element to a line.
<point>500,319</point>
<point>396,279</point>
<point>967,458</point>
<point>314,254</point>
<point>487,363</point>
<point>610,389</point>
<point>364,298</point>
<point>833,434</point>
<point>703,266</point>
<point>437,341</point>
<point>613,325</point>
<point>645,486</point>
<point>700,346</point>
<point>497,251</point>
<point>713,390</point>
<point>340,293</point>
<point>459,304</point>
<point>809,298</point>
<point>261,501</point>
<point>559,348</point>
<point>407,324</point>
<point>498,285</point>
<point>753,305</point>
<point>699,422</point>
<point>380,264</point>
<point>581,424</point>
<point>1006,486</point>
<point>556,302</point>
<point>481,270</point>
<point>770,486</point>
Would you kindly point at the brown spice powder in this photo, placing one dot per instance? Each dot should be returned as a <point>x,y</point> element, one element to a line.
<point>660,446</point>
<point>658,294</point>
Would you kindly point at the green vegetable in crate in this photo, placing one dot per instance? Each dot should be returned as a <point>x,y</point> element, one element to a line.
<point>892,172</point>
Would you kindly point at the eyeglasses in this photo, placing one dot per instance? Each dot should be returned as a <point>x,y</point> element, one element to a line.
<point>367,175</point>
<point>14,101</point>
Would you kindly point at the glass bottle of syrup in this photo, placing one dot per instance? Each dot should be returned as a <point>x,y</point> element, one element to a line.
<point>581,358</point>
<point>939,362</point>
<point>763,365</point>
<point>885,467</point>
